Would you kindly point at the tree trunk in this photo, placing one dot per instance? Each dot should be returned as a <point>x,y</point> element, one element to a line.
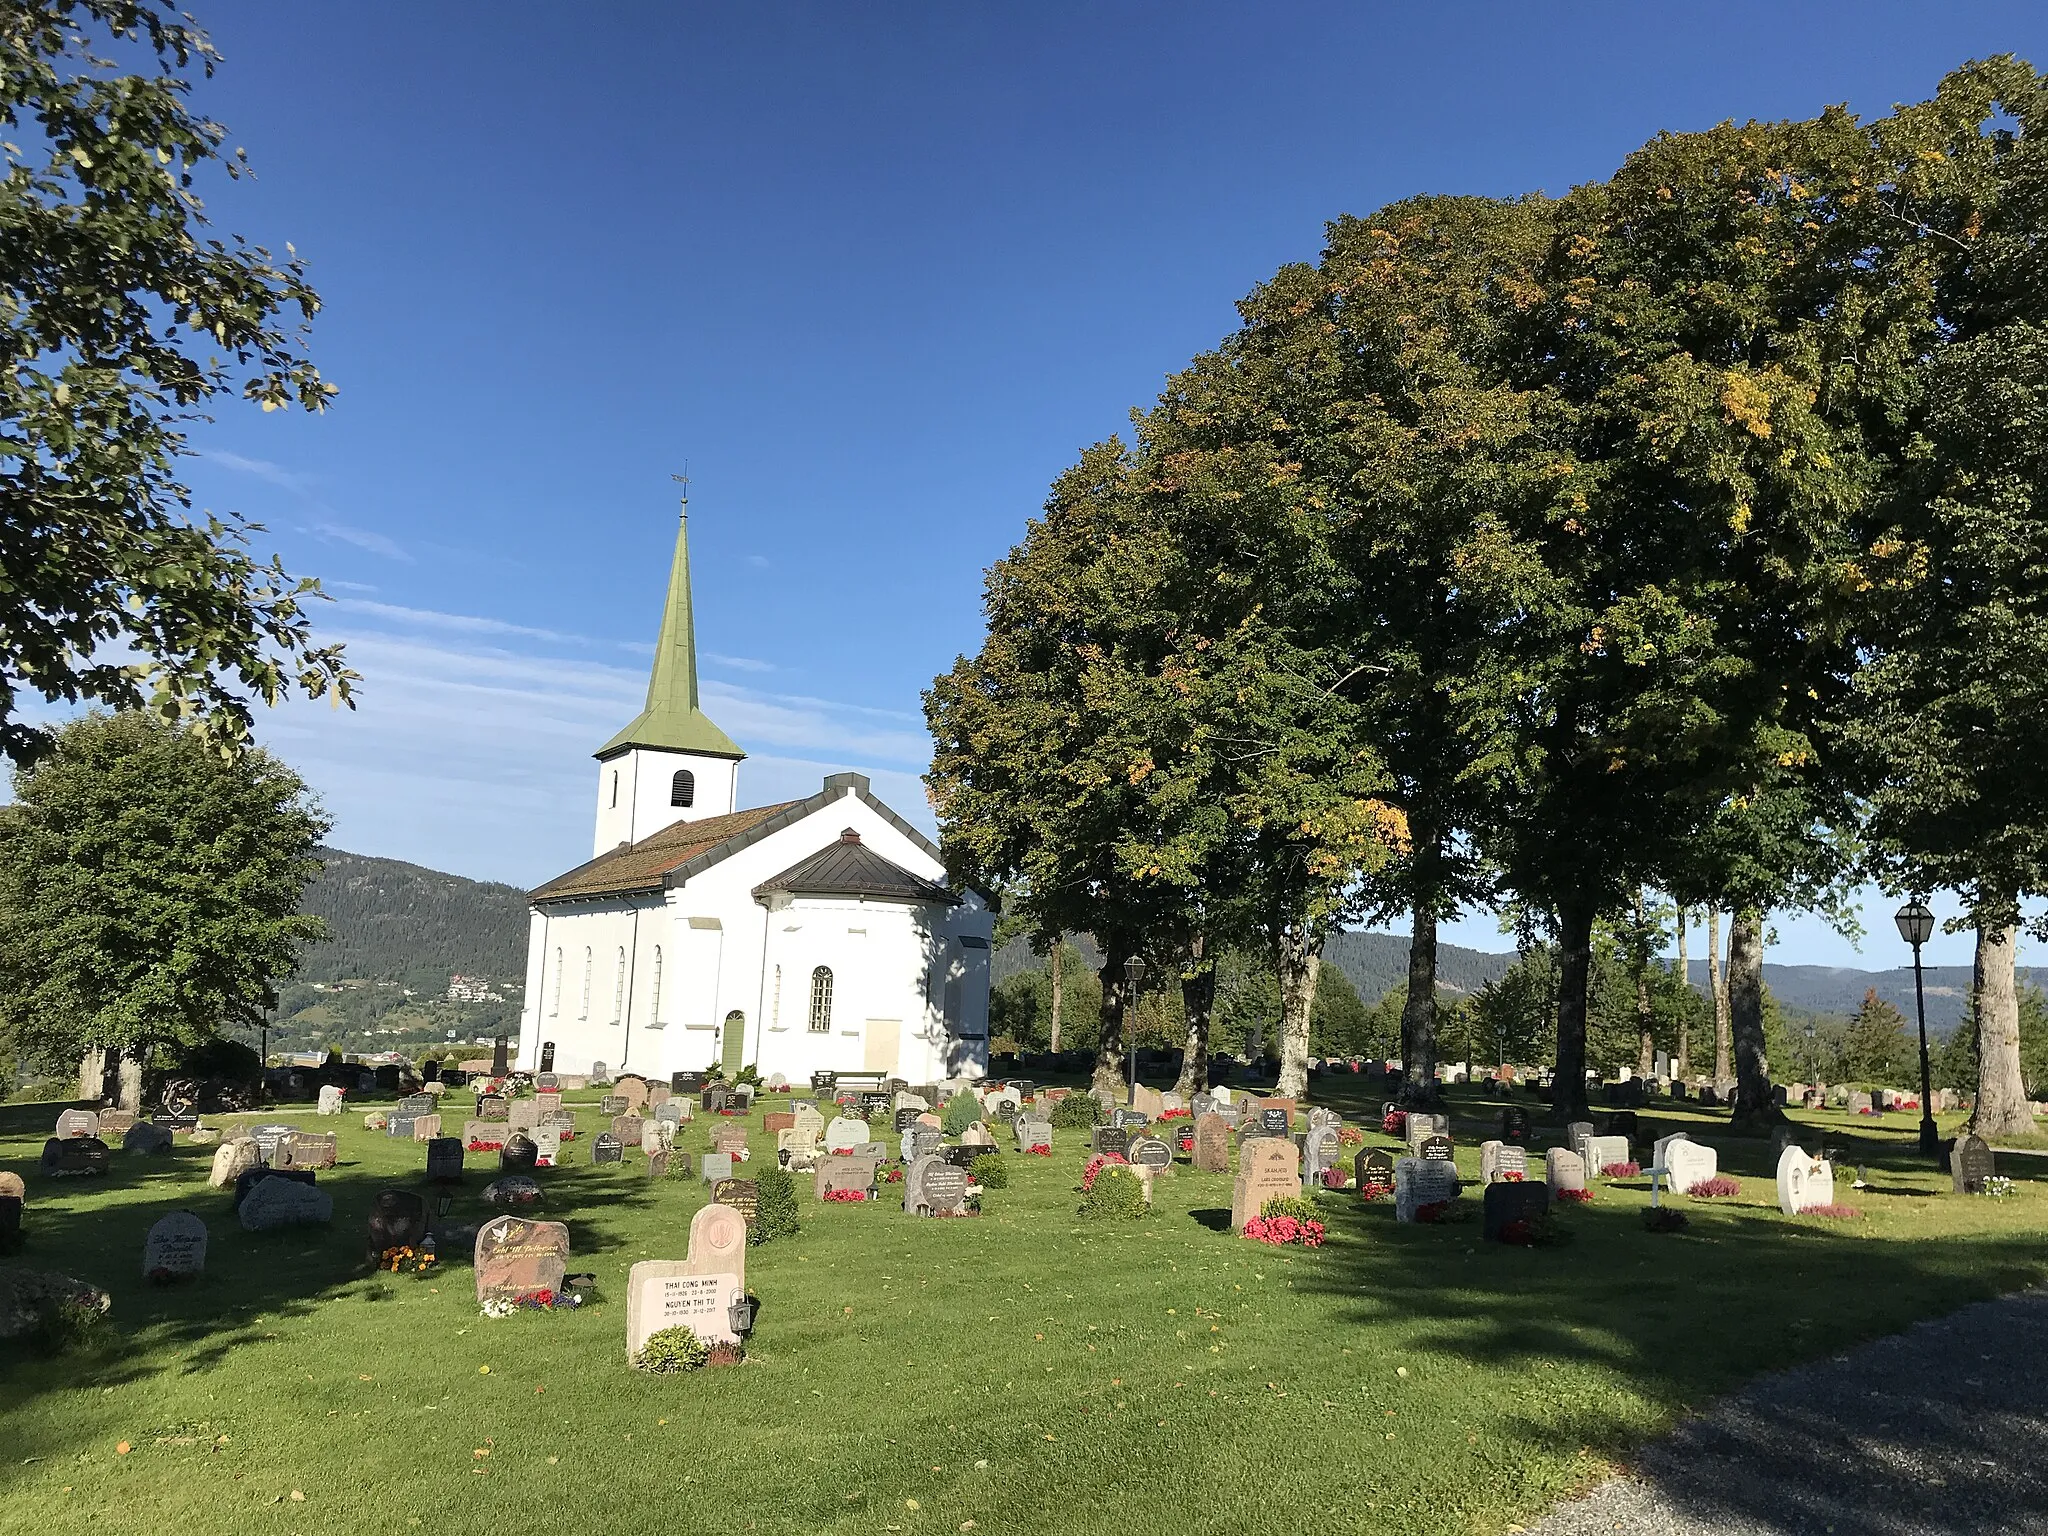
<point>1746,1018</point>
<point>1681,1069</point>
<point>1574,961</point>
<point>1109,1049</point>
<point>2002,1108</point>
<point>1717,983</point>
<point>130,1096</point>
<point>1197,1001</point>
<point>1646,1050</point>
<point>92,1075</point>
<point>1418,1012</point>
<point>1299,959</point>
<point>1058,967</point>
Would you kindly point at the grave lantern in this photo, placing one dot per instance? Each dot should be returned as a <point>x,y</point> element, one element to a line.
<point>1134,975</point>
<point>1916,927</point>
<point>741,1315</point>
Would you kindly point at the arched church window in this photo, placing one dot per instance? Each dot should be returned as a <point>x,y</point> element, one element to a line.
<point>682,789</point>
<point>619,987</point>
<point>654,999</point>
<point>585,1013</point>
<point>556,1006</point>
<point>821,1000</point>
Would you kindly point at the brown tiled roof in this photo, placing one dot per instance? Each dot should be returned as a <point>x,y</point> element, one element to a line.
<point>647,864</point>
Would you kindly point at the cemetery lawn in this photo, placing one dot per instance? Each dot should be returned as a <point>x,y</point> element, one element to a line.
<point>1015,1371</point>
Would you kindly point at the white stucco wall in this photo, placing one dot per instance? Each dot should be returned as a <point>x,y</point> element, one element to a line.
<point>719,950</point>
<point>634,788</point>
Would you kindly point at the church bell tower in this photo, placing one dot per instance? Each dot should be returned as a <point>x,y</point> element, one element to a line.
<point>670,763</point>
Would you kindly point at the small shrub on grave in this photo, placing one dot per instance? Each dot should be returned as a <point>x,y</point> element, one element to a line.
<point>1719,1187</point>
<point>1662,1218</point>
<point>1096,1164</point>
<point>70,1325</point>
<point>775,1211</point>
<point>1076,1112</point>
<point>1834,1212</point>
<point>1114,1193</point>
<point>992,1171</point>
<point>1395,1123</point>
<point>1620,1170</point>
<point>961,1111</point>
<point>669,1350</point>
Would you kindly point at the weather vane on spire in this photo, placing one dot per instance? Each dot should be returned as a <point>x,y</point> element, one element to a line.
<point>684,481</point>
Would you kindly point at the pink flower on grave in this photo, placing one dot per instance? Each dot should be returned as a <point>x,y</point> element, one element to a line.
<point>1715,1188</point>
<point>1097,1163</point>
<point>1039,1149</point>
<point>1396,1123</point>
<point>1620,1170</point>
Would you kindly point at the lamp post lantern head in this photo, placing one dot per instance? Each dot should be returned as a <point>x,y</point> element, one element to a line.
<point>1134,970</point>
<point>1916,922</point>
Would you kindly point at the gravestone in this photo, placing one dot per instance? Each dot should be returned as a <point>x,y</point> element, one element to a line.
<point>416,1104</point>
<point>517,1256</point>
<point>307,1149</point>
<point>268,1138</point>
<point>279,1200</point>
<point>933,1187</point>
<point>1112,1139</point>
<point>686,1082</point>
<point>493,1107</point>
<point>1319,1152</point>
<point>1419,1182</point>
<point>607,1148</point>
<point>918,1141</point>
<point>398,1219</point>
<point>1373,1170</point>
<point>547,1080</point>
<point>718,1243</point>
<point>977,1135</point>
<point>254,1176</point>
<point>714,1099</point>
<point>1124,1119</point>
<point>656,1137</point>
<point>731,1138</point>
<point>1148,1101</point>
<point>1603,1152</point>
<point>1624,1123</point>
<point>1685,1161</point>
<point>1437,1148</point>
<point>114,1122</point>
<point>627,1129</point>
<point>671,1113</point>
<point>444,1160</point>
<point>716,1166</point>
<point>1212,1143</point>
<point>841,1173</point>
<point>743,1195</point>
<point>1564,1169</point>
<point>600,1074</point>
<point>1286,1106</point>
<point>483,1136</point>
<point>658,1094</point>
<point>501,1057</point>
<point>426,1127</point>
<point>518,1155</point>
<point>175,1247</point>
<point>1033,1133</point>
<point>1577,1135</point>
<point>78,1122</point>
<point>1267,1167</point>
<point>611,1104</point>
<point>1274,1122</point>
<point>1514,1124</point>
<point>845,1133</point>
<point>146,1138</point>
<point>1970,1163</point>
<point>1150,1153</point>
<point>807,1125</point>
<point>1509,1202</point>
<point>399,1127</point>
<point>231,1160</point>
<point>330,1100</point>
<point>1500,1162</point>
<point>662,1293</point>
<point>545,1102</point>
<point>514,1189</point>
<point>1804,1181</point>
<point>522,1115</point>
<point>657,1163</point>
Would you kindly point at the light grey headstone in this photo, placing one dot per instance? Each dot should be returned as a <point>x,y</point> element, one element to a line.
<point>176,1246</point>
<point>280,1202</point>
<point>716,1166</point>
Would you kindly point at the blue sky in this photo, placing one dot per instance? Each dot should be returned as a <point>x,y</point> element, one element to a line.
<point>876,273</point>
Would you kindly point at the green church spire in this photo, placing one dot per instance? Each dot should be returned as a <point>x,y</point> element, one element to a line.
<point>672,721</point>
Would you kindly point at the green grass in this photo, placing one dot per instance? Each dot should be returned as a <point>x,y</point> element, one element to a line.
<point>1020,1370</point>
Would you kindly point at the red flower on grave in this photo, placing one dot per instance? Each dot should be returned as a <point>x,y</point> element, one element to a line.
<point>1097,1163</point>
<point>1519,1234</point>
<point>1507,1177</point>
<point>1039,1149</point>
<point>845,1196</point>
<point>1433,1212</point>
<point>1373,1192</point>
<point>1574,1196</point>
<point>1396,1123</point>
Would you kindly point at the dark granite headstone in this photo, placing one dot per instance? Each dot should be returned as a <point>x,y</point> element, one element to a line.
<point>444,1159</point>
<point>398,1219</point>
<point>1273,1122</point>
<point>1514,1124</point>
<point>743,1195</point>
<point>1125,1119</point>
<point>1436,1149</point>
<point>1512,1200</point>
<point>520,1154</point>
<point>501,1057</point>
<point>1150,1152</point>
<point>1110,1138</point>
<point>547,1057</point>
<point>1373,1169</point>
<point>69,1155</point>
<point>1970,1164</point>
<point>607,1149</point>
<point>1623,1122</point>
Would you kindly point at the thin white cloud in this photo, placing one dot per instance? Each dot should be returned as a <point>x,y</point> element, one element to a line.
<point>347,586</point>
<point>760,562</point>
<point>362,538</point>
<point>262,469</point>
<point>737,663</point>
<point>466,623</point>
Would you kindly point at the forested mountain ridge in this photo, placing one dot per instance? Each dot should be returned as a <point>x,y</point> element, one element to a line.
<point>399,922</point>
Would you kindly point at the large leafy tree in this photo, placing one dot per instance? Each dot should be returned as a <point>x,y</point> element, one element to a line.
<point>149,892</point>
<point>122,318</point>
<point>1955,695</point>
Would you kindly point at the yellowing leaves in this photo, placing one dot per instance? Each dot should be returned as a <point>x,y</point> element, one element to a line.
<point>1747,403</point>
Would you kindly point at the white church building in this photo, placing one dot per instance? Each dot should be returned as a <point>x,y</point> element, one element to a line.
<point>814,935</point>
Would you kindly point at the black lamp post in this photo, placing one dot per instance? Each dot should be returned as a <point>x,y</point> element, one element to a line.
<point>1134,975</point>
<point>1916,927</point>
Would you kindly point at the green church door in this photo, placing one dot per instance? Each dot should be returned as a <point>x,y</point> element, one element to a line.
<point>733,1052</point>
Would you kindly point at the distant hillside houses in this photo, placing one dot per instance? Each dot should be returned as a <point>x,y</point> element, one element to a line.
<point>472,989</point>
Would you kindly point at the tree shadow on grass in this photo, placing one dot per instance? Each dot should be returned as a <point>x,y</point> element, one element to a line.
<point>1215,1218</point>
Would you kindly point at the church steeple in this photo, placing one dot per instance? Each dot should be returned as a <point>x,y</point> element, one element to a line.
<point>672,720</point>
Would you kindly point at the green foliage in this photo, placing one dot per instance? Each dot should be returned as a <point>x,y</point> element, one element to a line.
<point>1118,1194</point>
<point>1338,1022</point>
<point>228,1060</point>
<point>961,1111</point>
<point>1876,1046</point>
<point>392,921</point>
<point>669,1350</point>
<point>992,1171</point>
<point>127,317</point>
<point>777,1214</point>
<point>1300,1207</point>
<point>149,890</point>
<point>1076,1112</point>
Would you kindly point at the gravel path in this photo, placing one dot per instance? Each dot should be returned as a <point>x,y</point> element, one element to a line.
<point>1938,1431</point>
